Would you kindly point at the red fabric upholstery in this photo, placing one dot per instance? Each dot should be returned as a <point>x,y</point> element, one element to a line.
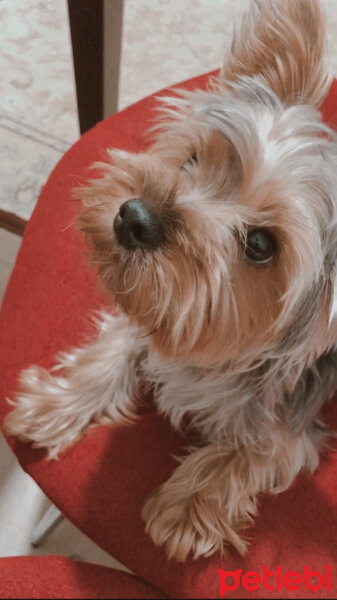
<point>58,577</point>
<point>101,483</point>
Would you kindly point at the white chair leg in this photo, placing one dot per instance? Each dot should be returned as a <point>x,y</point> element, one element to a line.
<point>45,526</point>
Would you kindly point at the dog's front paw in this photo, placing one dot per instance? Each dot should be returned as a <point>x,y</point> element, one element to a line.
<point>181,524</point>
<point>44,412</point>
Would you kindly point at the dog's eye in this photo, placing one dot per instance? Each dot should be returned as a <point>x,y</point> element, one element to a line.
<point>260,246</point>
<point>191,162</point>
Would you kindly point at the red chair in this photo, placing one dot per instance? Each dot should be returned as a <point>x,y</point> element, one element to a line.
<point>101,483</point>
<point>58,577</point>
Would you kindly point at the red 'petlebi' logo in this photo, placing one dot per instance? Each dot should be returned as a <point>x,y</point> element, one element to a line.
<point>275,580</point>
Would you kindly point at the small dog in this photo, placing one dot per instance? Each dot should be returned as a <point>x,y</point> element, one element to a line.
<point>220,247</point>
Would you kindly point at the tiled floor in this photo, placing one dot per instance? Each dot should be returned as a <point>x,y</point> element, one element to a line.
<point>9,245</point>
<point>168,41</point>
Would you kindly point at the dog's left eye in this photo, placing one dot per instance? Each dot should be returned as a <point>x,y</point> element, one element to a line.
<point>191,162</point>
<point>260,246</point>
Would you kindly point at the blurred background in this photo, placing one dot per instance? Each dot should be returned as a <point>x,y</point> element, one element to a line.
<point>162,42</point>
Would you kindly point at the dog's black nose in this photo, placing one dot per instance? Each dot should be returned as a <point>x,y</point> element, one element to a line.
<point>138,225</point>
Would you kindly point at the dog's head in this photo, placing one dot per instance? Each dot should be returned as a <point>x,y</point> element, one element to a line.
<point>221,240</point>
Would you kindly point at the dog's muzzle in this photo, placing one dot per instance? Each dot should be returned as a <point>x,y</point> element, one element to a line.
<point>138,225</point>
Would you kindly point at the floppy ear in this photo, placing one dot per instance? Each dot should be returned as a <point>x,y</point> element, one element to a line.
<point>282,42</point>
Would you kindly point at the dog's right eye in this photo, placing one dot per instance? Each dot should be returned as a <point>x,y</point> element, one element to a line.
<point>260,246</point>
<point>191,162</point>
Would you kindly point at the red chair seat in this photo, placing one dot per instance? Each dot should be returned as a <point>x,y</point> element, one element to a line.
<point>101,483</point>
<point>58,577</point>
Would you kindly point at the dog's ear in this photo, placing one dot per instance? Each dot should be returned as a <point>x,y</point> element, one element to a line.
<point>282,42</point>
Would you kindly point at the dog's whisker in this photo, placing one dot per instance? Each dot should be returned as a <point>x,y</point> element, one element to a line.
<point>132,287</point>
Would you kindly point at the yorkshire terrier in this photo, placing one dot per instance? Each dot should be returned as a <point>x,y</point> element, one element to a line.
<point>219,245</point>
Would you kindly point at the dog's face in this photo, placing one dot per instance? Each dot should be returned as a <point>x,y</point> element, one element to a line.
<point>218,240</point>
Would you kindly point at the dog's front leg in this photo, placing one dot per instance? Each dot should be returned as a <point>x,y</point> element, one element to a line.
<point>202,506</point>
<point>89,385</point>
<point>212,495</point>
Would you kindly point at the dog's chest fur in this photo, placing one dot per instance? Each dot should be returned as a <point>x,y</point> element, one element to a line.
<point>215,402</point>
<point>222,404</point>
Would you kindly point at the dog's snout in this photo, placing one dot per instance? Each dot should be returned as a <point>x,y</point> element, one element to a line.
<point>138,225</point>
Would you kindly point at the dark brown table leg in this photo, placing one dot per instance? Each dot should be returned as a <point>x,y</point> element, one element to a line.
<point>96,32</point>
<point>113,29</point>
<point>12,222</point>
